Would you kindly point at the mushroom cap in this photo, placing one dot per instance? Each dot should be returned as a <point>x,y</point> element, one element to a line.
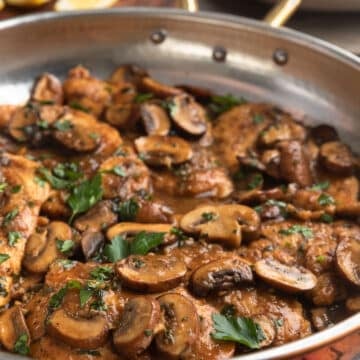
<point>155,119</point>
<point>337,157</point>
<point>291,279</point>
<point>223,274</point>
<point>181,326</point>
<point>85,333</point>
<point>137,325</point>
<point>151,273</point>
<point>348,259</point>
<point>163,150</point>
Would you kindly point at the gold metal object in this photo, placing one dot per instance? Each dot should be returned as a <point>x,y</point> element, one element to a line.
<point>282,12</point>
<point>277,17</point>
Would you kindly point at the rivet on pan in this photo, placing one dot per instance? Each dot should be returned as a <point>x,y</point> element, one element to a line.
<point>280,56</point>
<point>219,54</point>
<point>158,36</point>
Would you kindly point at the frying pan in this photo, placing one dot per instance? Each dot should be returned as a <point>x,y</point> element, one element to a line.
<point>314,80</point>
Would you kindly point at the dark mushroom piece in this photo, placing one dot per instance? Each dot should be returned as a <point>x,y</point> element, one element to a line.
<point>91,242</point>
<point>163,150</point>
<point>48,89</point>
<point>291,279</point>
<point>320,318</point>
<point>79,332</point>
<point>348,259</point>
<point>12,327</point>
<point>294,163</point>
<point>97,218</point>
<point>151,273</point>
<point>160,90</point>
<point>218,275</point>
<point>137,326</point>
<point>181,326</point>
<point>128,74</point>
<point>337,157</point>
<point>154,119</point>
<point>324,133</point>
<point>188,115</point>
<point>41,248</point>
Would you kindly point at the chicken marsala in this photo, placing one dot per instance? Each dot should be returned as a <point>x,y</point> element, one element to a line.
<point>141,220</point>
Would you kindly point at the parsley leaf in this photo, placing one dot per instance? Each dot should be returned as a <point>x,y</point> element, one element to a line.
<point>63,176</point>
<point>119,171</point>
<point>55,182</point>
<point>256,181</point>
<point>3,186</point>
<point>85,195</point>
<point>141,98</point>
<point>208,216</point>
<point>238,329</point>
<point>65,246</point>
<point>4,257</point>
<point>297,229</point>
<point>56,299</point>
<point>220,104</point>
<point>63,125</point>
<point>127,210</point>
<point>102,273</point>
<point>118,249</point>
<point>85,294</point>
<point>13,237</point>
<point>326,199</point>
<point>10,216</point>
<point>327,218</point>
<point>67,170</point>
<point>77,106</point>
<point>320,186</point>
<point>258,119</point>
<point>145,241</point>
<point>21,345</point>
<point>15,189</point>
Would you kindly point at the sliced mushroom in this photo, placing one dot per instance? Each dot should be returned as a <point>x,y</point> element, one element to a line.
<point>218,275</point>
<point>48,88</point>
<point>224,223</point>
<point>353,303</point>
<point>137,326</point>
<point>76,130</point>
<point>41,248</point>
<point>129,228</point>
<point>268,329</point>
<point>348,259</point>
<point>122,115</point>
<point>163,150</point>
<point>155,119</point>
<point>12,327</point>
<point>97,218</point>
<point>79,332</point>
<point>337,157</point>
<point>290,279</point>
<point>271,160</point>
<point>320,318</point>
<point>154,212</point>
<point>188,115</point>
<point>128,74</point>
<point>91,242</point>
<point>181,326</point>
<point>151,273</point>
<point>158,89</point>
<point>294,163</point>
<point>324,133</point>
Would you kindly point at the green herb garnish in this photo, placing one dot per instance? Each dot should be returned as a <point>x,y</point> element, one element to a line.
<point>63,125</point>
<point>13,237</point>
<point>256,181</point>
<point>65,246</point>
<point>4,257</point>
<point>297,229</point>
<point>208,216</point>
<point>15,189</point>
<point>327,218</point>
<point>102,273</point>
<point>77,106</point>
<point>141,98</point>
<point>3,186</point>
<point>257,119</point>
<point>10,216</point>
<point>220,104</point>
<point>320,186</point>
<point>21,345</point>
<point>127,210</point>
<point>118,249</point>
<point>326,199</point>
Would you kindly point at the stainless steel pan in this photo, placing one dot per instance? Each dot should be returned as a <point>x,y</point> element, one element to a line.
<point>315,80</point>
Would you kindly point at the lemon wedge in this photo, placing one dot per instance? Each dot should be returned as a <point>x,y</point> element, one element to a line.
<point>66,5</point>
<point>2,4</point>
<point>27,3</point>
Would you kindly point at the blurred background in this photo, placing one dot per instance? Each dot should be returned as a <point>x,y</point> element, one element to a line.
<point>337,21</point>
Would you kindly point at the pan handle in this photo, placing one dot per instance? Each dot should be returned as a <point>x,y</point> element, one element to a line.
<point>277,16</point>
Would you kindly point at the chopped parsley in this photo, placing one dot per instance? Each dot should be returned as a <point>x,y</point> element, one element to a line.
<point>327,218</point>
<point>237,329</point>
<point>141,98</point>
<point>320,259</point>
<point>119,171</point>
<point>4,257</point>
<point>256,181</point>
<point>13,237</point>
<point>148,332</point>
<point>77,106</point>
<point>326,199</point>
<point>39,181</point>
<point>297,229</point>
<point>102,273</point>
<point>21,345</point>
<point>11,215</point>
<point>63,125</point>
<point>94,136</point>
<point>279,322</point>
<point>85,294</point>
<point>320,186</point>
<point>208,216</point>
<point>85,195</point>
<point>65,246</point>
<point>127,210</point>
<point>118,249</point>
<point>220,104</point>
<point>257,119</point>
<point>15,189</point>
<point>57,298</point>
<point>3,186</point>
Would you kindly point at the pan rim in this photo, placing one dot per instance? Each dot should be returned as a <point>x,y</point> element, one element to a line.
<point>316,340</point>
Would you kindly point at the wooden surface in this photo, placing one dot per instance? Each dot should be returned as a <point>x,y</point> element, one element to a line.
<point>345,349</point>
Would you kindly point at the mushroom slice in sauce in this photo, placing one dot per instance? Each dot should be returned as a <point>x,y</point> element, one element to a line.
<point>12,327</point>
<point>80,332</point>
<point>91,242</point>
<point>290,279</point>
<point>353,303</point>
<point>268,329</point>
<point>41,248</point>
<point>48,89</point>
<point>137,326</point>
<point>324,133</point>
<point>337,157</point>
<point>181,326</point>
<point>223,223</point>
<point>121,115</point>
<point>129,228</point>
<point>157,88</point>
<point>155,119</point>
<point>163,150</point>
<point>188,115</point>
<point>151,273</point>
<point>218,275</point>
<point>348,259</point>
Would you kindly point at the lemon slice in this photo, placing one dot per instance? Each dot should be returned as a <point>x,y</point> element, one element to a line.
<point>27,3</point>
<point>66,5</point>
